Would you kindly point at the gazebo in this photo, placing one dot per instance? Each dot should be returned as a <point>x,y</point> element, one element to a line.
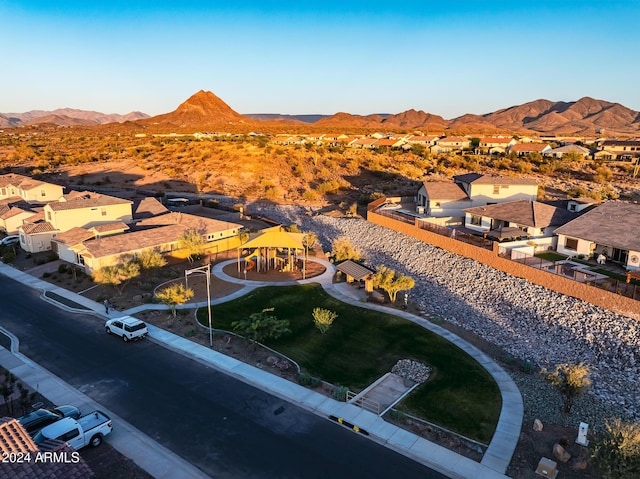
<point>356,272</point>
<point>268,249</point>
<point>506,233</point>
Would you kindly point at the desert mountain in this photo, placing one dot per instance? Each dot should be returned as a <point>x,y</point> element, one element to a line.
<point>201,110</point>
<point>204,110</point>
<point>415,119</point>
<point>67,117</point>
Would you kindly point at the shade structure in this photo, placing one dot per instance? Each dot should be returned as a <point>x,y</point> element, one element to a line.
<point>506,232</point>
<point>276,239</point>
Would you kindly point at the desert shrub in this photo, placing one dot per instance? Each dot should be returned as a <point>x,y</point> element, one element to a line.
<point>190,333</point>
<point>339,393</point>
<point>617,451</point>
<point>304,379</point>
<point>52,257</point>
<point>8,256</point>
<point>526,366</point>
<point>46,274</point>
<point>62,268</point>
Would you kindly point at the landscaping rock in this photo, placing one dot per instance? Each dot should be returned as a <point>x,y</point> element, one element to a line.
<point>560,453</point>
<point>537,425</point>
<point>412,370</point>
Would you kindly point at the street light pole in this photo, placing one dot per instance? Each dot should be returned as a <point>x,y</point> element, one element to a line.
<point>206,270</point>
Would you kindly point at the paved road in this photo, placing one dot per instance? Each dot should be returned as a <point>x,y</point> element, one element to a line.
<point>221,425</point>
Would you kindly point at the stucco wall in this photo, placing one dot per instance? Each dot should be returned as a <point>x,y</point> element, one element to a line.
<point>591,294</point>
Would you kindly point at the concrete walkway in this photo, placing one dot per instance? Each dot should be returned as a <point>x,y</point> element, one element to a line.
<point>155,458</point>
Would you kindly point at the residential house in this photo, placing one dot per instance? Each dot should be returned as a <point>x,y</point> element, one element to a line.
<point>444,199</point>
<point>495,145</point>
<point>522,149</point>
<point>426,140</point>
<point>489,189</point>
<point>532,218</point>
<point>388,143</point>
<point>450,144</point>
<point>92,249</point>
<point>30,190</point>
<point>81,209</point>
<point>441,199</point>
<point>570,148</point>
<point>610,229</point>
<point>367,143</point>
<point>13,212</point>
<point>623,150</point>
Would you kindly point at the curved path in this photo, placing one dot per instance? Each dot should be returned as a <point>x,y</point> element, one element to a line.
<point>504,441</point>
<point>494,462</point>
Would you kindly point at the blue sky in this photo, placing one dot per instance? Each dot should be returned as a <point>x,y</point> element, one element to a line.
<point>444,57</point>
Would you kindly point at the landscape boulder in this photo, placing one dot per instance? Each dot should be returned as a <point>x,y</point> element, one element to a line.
<point>560,453</point>
<point>537,425</point>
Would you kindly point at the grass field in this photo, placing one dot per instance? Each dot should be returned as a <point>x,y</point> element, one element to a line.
<point>362,345</point>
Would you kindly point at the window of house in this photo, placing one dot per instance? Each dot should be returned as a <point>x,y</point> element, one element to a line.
<point>103,211</point>
<point>437,203</point>
<point>48,215</point>
<point>476,220</point>
<point>496,189</point>
<point>43,192</point>
<point>572,207</point>
<point>571,243</point>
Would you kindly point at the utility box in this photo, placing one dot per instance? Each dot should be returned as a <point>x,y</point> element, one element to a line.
<point>582,434</point>
<point>547,468</point>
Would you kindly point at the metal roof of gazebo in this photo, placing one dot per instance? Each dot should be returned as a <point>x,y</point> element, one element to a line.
<point>355,270</point>
<point>276,239</point>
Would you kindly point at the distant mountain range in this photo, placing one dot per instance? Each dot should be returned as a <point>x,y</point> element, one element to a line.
<point>204,110</point>
<point>66,117</point>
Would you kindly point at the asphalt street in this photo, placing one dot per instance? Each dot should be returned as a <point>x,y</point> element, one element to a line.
<point>221,425</point>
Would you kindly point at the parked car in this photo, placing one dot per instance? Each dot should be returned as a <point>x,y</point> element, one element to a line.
<point>127,327</point>
<point>10,240</point>
<point>86,430</point>
<point>36,420</point>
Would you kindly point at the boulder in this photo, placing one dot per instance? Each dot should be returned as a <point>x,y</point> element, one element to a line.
<point>579,464</point>
<point>537,425</point>
<point>560,453</point>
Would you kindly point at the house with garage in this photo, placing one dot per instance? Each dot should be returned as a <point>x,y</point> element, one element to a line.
<point>517,219</point>
<point>450,199</point>
<point>13,213</point>
<point>622,150</point>
<point>77,209</point>
<point>96,247</point>
<point>522,149</point>
<point>450,144</point>
<point>610,229</point>
<point>495,145</point>
<point>30,190</point>
<point>571,148</point>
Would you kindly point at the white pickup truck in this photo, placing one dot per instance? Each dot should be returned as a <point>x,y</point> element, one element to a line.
<point>89,429</point>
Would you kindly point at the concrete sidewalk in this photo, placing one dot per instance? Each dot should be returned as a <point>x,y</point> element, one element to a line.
<point>492,466</point>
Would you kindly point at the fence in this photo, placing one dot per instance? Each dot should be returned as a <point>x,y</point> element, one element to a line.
<point>363,402</point>
<point>610,294</point>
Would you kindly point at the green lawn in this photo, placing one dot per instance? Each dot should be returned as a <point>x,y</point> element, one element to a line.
<point>551,256</point>
<point>362,345</point>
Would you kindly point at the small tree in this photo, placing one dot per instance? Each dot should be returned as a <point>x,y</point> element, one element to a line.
<point>571,380</point>
<point>391,281</point>
<point>174,295</point>
<point>261,326</point>
<point>617,451</point>
<point>117,275</point>
<point>310,239</point>
<point>323,319</point>
<point>7,387</point>
<point>342,250</point>
<point>193,243</point>
<point>150,259</point>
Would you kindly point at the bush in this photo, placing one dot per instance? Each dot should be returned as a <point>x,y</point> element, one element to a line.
<point>527,367</point>
<point>190,333</point>
<point>46,274</point>
<point>62,268</point>
<point>8,256</point>
<point>339,393</point>
<point>52,257</point>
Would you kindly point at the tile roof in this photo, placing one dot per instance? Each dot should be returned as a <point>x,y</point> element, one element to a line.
<point>529,147</point>
<point>19,181</point>
<point>117,226</point>
<point>133,241</point>
<point>478,179</point>
<point>41,227</point>
<point>570,148</point>
<point>14,438</point>
<point>495,140</point>
<point>74,236</point>
<point>148,207</point>
<point>87,202</point>
<point>190,221</point>
<point>612,223</point>
<point>525,213</point>
<point>444,190</point>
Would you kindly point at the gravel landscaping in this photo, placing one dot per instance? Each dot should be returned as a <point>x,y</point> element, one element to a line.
<point>528,321</point>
